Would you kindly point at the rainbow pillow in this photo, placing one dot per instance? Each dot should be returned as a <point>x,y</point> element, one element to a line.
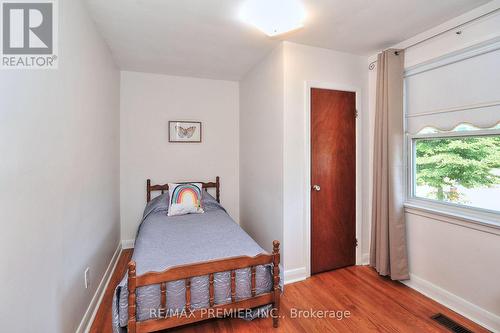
<point>185,199</point>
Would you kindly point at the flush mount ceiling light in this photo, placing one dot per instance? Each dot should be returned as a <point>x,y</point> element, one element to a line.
<point>274,17</point>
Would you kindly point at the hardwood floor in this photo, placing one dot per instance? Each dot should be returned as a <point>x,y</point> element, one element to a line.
<point>375,304</point>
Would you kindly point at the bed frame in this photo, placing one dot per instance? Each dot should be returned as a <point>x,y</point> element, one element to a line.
<point>186,272</point>
<point>162,188</point>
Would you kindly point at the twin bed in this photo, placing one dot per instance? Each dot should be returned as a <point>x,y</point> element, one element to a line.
<point>194,267</point>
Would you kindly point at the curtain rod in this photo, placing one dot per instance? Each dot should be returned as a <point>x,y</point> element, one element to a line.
<point>372,65</point>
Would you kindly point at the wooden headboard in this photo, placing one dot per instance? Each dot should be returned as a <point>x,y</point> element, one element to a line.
<point>151,188</point>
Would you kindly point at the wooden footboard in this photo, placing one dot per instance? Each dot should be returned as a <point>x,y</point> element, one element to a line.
<point>186,272</point>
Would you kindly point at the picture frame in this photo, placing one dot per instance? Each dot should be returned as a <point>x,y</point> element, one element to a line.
<point>184,131</point>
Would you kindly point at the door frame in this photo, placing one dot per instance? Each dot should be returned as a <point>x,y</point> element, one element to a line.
<point>307,181</point>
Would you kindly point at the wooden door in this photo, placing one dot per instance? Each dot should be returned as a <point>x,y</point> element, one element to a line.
<point>333,179</point>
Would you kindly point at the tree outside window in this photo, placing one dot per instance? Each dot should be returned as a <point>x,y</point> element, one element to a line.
<point>463,170</point>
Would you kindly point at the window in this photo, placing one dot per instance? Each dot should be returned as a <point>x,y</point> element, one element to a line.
<point>453,171</point>
<point>460,167</point>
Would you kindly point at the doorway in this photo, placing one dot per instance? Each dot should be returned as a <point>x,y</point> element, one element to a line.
<point>333,179</point>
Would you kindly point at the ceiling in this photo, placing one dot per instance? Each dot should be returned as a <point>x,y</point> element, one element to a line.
<point>205,38</point>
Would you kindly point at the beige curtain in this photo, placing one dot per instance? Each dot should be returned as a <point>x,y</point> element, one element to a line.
<point>388,252</point>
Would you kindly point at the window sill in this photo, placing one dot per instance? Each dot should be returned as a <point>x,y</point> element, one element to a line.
<point>469,218</point>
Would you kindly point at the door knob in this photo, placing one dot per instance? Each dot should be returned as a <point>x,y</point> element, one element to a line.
<point>316,188</point>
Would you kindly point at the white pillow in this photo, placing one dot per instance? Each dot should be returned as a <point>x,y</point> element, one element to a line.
<point>185,199</point>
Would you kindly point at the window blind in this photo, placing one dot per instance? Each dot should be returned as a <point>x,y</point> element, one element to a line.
<point>464,89</point>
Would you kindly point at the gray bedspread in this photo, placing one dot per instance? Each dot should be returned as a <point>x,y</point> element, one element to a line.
<point>163,242</point>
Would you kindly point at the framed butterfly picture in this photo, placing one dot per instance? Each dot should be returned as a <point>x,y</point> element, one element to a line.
<point>184,131</point>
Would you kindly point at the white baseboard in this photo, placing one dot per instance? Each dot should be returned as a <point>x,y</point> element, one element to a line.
<point>91,312</point>
<point>295,275</point>
<point>465,308</point>
<point>128,243</point>
<point>365,260</point>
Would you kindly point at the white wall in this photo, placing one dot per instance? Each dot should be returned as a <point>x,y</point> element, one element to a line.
<point>318,67</point>
<point>148,102</point>
<point>59,144</point>
<point>450,260</point>
<point>261,150</point>
<point>273,141</point>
